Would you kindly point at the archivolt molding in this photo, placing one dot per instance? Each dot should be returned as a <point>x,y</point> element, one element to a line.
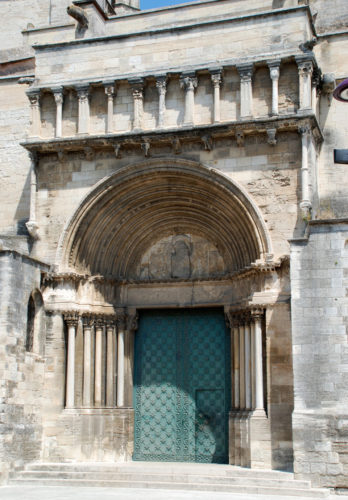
<point>127,212</point>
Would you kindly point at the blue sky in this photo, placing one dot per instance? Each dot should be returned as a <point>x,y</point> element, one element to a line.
<point>153,4</point>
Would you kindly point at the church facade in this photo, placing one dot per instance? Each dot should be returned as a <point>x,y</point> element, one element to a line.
<point>174,235</point>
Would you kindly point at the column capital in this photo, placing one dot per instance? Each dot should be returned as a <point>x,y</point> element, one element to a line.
<point>121,318</point>
<point>58,94</point>
<point>216,76</point>
<point>257,313</point>
<point>82,91</point>
<point>110,89</point>
<point>71,318</point>
<point>110,321</point>
<point>132,320</point>
<point>99,322</point>
<point>304,130</point>
<point>305,64</point>
<point>87,320</point>
<point>34,97</point>
<point>137,85</point>
<point>274,68</point>
<point>188,81</point>
<point>161,83</point>
<point>245,71</point>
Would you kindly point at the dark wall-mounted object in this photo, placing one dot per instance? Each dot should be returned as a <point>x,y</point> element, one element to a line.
<point>341,156</point>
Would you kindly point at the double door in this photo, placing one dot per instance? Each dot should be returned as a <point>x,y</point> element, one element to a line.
<point>182,386</point>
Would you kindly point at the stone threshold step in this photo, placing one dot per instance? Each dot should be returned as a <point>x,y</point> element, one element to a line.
<point>247,489</point>
<point>155,467</point>
<point>163,477</point>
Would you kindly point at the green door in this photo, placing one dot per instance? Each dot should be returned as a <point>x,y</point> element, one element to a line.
<point>182,386</point>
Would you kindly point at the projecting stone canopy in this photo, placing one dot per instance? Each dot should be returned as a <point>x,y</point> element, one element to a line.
<point>195,213</point>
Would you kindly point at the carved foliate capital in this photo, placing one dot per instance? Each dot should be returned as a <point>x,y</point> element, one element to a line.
<point>257,314</point>
<point>58,95</point>
<point>188,82</point>
<point>304,130</point>
<point>137,85</point>
<point>82,92</point>
<point>110,89</point>
<point>305,66</point>
<point>132,321</point>
<point>121,319</point>
<point>99,322</point>
<point>110,322</point>
<point>245,72</point>
<point>87,321</point>
<point>34,97</point>
<point>161,84</point>
<point>71,318</point>
<point>216,77</point>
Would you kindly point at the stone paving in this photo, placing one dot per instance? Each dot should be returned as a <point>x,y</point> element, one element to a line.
<point>82,493</point>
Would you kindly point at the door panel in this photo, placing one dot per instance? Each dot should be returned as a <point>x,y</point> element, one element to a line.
<point>181,386</point>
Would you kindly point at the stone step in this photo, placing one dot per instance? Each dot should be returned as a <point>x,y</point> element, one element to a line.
<point>174,477</point>
<point>160,467</point>
<point>217,486</point>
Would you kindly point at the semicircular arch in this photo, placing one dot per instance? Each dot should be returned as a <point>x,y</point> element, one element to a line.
<point>127,212</point>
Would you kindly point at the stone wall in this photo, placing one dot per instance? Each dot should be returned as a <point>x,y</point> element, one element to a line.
<point>21,372</point>
<point>319,335</point>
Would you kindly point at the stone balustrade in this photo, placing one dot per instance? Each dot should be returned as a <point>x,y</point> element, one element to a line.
<point>105,368</point>
<point>189,83</point>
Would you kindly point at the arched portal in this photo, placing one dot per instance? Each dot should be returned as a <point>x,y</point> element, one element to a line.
<point>127,213</point>
<point>175,245</point>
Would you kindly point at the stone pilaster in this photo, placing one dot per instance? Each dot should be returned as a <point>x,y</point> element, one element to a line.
<point>305,71</point>
<point>257,382</point>
<point>161,84</point>
<point>110,92</point>
<point>83,109</point>
<point>216,78</point>
<point>274,74</point>
<point>58,97</point>
<point>246,92</point>
<point>35,112</point>
<point>189,82</point>
<point>137,85</point>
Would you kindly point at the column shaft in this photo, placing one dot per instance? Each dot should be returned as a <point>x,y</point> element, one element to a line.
<point>236,355</point>
<point>83,110</point>
<point>120,368</point>
<point>189,84</point>
<point>72,321</point>
<point>242,367</point>
<point>252,363</point>
<point>247,367</point>
<point>110,356</point>
<point>87,363</point>
<point>138,102</point>
<point>259,398</point>
<point>274,74</point>
<point>58,97</point>
<point>305,204</point>
<point>161,84</point>
<point>216,78</point>
<point>110,93</point>
<point>98,364</point>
